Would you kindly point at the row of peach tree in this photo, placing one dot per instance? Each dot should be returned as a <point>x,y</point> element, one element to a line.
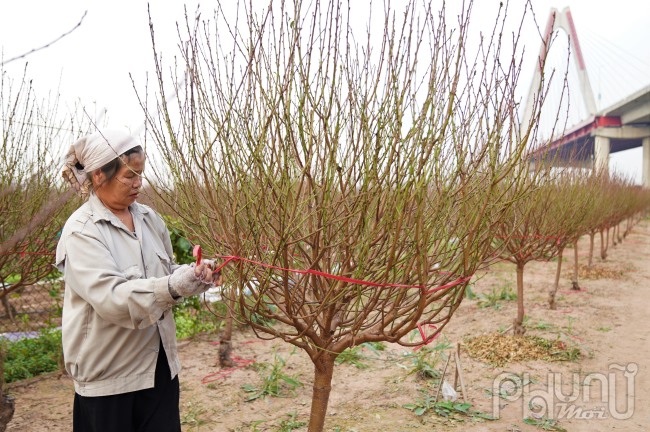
<point>561,209</point>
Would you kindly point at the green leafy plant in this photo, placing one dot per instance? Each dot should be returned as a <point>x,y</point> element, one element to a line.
<point>27,358</point>
<point>291,423</point>
<point>191,319</point>
<point>374,346</point>
<point>250,316</point>
<point>276,383</point>
<point>569,326</point>
<point>250,426</point>
<point>558,349</point>
<point>446,409</point>
<point>354,355</point>
<point>545,423</point>
<point>192,415</point>
<point>494,298</point>
<point>180,244</point>
<point>469,292</point>
<point>425,360</point>
<point>542,325</point>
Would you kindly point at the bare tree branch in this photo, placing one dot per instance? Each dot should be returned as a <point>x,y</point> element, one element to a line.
<point>5,62</point>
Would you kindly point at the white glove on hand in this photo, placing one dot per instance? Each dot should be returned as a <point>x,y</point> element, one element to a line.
<point>209,272</point>
<point>191,280</point>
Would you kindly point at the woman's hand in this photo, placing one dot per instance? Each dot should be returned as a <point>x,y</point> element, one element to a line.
<point>190,280</point>
<point>205,272</point>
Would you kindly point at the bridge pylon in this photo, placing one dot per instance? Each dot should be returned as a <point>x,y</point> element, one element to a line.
<point>560,20</point>
<point>564,20</point>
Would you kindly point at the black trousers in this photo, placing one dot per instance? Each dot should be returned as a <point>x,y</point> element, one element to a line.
<point>150,410</point>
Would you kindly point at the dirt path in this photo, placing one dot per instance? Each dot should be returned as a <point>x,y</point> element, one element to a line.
<point>607,389</point>
<point>625,309</point>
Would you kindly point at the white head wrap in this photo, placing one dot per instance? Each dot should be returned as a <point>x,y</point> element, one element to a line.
<point>93,152</point>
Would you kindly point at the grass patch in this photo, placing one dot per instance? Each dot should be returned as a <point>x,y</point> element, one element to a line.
<point>424,362</point>
<point>541,325</point>
<point>448,409</point>
<point>495,297</point>
<point>355,357</point>
<point>545,423</point>
<point>291,423</point>
<point>275,384</point>
<point>192,415</point>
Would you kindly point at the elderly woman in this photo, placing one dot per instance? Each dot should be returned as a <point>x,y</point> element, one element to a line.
<point>119,335</point>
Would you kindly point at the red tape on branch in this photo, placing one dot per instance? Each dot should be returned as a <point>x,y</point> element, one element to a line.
<point>425,339</point>
<point>449,285</point>
<point>229,258</point>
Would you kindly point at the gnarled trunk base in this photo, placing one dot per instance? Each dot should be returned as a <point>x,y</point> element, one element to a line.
<point>225,341</point>
<point>7,407</point>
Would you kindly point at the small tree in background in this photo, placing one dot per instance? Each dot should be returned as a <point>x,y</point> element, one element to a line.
<point>619,201</point>
<point>353,186</point>
<point>33,206</point>
<point>600,209</point>
<point>575,192</point>
<point>539,227</point>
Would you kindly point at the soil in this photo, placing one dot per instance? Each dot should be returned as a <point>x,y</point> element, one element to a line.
<point>602,385</point>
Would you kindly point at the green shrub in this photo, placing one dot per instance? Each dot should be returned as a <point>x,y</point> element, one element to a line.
<point>180,244</point>
<point>191,319</point>
<point>27,358</point>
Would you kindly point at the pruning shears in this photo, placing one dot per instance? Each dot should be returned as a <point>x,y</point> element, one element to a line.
<point>197,253</point>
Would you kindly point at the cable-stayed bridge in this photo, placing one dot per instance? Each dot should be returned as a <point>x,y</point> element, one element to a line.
<point>623,122</point>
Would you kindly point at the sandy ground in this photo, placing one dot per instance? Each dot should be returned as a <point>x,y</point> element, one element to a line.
<point>607,388</point>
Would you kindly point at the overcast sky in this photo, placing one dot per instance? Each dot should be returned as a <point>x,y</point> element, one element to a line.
<point>93,63</point>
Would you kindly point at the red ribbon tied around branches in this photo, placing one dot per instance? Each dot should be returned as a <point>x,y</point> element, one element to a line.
<point>197,253</point>
<point>228,258</point>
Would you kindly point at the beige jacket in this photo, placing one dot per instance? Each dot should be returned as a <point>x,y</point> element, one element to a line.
<point>116,306</point>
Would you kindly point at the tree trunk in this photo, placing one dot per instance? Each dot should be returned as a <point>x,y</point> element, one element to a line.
<point>323,372</point>
<point>7,404</point>
<point>591,249</point>
<point>225,339</point>
<point>574,281</point>
<point>607,237</point>
<point>9,309</point>
<point>551,295</point>
<point>518,324</point>
<point>603,245</point>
